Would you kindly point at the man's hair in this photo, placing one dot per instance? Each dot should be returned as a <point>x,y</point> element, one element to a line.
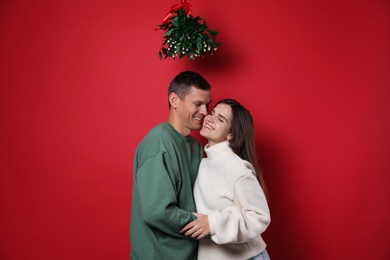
<point>182,83</point>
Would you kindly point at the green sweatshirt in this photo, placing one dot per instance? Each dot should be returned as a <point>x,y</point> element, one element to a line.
<point>165,168</point>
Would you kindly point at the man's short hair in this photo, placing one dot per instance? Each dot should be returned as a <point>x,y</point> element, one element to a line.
<point>182,83</point>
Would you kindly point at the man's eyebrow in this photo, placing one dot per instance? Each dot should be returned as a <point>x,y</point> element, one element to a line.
<point>199,102</point>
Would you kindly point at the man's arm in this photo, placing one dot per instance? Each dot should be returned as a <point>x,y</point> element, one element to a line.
<point>157,192</point>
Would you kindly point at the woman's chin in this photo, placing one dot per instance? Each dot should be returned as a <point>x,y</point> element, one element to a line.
<point>202,132</point>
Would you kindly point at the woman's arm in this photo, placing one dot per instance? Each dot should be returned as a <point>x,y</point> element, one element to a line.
<point>199,228</point>
<point>246,219</point>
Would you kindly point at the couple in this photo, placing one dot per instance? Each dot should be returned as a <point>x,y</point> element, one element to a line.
<point>179,200</point>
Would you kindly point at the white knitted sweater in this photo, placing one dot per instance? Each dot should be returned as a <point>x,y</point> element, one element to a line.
<point>227,190</point>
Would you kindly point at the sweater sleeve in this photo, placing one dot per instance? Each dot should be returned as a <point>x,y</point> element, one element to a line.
<point>244,221</point>
<point>157,194</point>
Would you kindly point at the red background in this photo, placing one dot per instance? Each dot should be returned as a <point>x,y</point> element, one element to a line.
<point>81,84</point>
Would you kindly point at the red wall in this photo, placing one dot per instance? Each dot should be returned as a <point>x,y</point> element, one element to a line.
<point>81,84</point>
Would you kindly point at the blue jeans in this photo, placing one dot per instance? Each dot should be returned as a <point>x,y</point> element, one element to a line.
<point>262,256</point>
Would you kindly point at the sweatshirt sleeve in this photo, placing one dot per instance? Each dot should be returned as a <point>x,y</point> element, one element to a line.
<point>244,221</point>
<point>157,194</point>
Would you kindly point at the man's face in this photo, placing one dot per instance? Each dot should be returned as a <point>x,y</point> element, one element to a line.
<point>193,108</point>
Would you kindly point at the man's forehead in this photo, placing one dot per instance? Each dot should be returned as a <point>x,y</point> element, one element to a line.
<point>199,95</point>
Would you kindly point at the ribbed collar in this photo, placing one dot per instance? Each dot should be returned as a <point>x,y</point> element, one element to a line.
<point>217,150</point>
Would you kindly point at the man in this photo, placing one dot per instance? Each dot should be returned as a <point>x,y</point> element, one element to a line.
<point>166,163</point>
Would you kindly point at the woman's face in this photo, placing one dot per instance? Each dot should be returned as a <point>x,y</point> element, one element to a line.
<point>217,125</point>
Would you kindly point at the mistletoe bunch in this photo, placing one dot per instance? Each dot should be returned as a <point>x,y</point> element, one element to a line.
<point>186,35</point>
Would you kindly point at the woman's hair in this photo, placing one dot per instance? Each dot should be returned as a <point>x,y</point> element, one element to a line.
<point>243,138</point>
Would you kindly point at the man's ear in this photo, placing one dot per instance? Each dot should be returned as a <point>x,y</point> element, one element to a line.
<point>173,99</point>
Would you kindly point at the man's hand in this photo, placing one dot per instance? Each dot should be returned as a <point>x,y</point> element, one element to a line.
<point>198,228</point>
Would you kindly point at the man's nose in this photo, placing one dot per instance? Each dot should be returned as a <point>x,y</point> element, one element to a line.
<point>203,110</point>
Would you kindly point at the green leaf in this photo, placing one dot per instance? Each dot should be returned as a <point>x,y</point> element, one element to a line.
<point>199,44</point>
<point>175,22</point>
<point>213,33</point>
<point>168,33</point>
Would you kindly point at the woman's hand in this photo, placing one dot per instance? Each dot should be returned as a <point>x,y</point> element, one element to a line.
<point>198,228</point>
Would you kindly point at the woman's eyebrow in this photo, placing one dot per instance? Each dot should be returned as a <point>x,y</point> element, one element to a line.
<point>223,117</point>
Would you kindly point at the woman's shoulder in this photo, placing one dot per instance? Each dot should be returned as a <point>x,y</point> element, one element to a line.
<point>237,166</point>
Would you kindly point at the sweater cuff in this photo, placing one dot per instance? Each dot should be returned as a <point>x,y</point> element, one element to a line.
<point>211,217</point>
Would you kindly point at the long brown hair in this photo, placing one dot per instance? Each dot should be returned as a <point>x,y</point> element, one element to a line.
<point>243,137</point>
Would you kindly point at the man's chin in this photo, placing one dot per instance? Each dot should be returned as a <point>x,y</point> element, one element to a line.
<point>196,126</point>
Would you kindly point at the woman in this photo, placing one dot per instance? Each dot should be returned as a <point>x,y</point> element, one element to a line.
<point>229,188</point>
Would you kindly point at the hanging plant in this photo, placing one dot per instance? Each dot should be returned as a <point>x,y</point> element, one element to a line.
<point>186,35</point>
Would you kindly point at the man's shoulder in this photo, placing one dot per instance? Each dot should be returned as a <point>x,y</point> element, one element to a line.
<point>165,136</point>
<point>159,130</point>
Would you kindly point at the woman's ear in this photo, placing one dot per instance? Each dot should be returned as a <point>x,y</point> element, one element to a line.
<point>229,137</point>
<point>173,99</point>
